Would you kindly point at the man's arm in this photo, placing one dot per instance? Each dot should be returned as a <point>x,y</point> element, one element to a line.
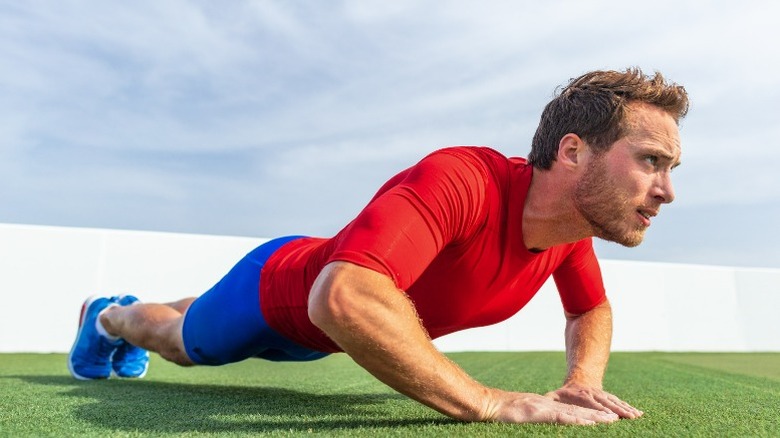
<point>376,324</point>
<point>588,340</point>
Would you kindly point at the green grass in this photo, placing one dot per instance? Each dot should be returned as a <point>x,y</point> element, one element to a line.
<point>681,395</point>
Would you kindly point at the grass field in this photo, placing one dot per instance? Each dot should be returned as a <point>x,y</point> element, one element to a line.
<point>681,394</point>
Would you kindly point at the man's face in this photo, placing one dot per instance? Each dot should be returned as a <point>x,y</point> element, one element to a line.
<point>623,188</point>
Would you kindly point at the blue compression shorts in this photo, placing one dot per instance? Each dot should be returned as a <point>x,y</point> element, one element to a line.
<point>226,325</point>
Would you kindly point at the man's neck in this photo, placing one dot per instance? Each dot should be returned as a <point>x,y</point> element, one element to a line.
<point>549,216</point>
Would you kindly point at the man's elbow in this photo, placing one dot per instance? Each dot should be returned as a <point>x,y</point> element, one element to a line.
<point>601,307</point>
<point>330,301</point>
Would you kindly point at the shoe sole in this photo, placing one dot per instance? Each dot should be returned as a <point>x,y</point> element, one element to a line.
<point>84,308</point>
<point>140,376</point>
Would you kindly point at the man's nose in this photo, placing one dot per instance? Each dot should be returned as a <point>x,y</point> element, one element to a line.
<point>664,190</point>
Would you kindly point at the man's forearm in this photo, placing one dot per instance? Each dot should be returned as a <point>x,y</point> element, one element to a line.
<point>588,340</point>
<point>382,333</point>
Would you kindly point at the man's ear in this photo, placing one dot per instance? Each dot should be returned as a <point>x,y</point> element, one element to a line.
<point>570,150</point>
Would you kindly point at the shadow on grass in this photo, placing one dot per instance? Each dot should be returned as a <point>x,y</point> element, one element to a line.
<point>150,406</point>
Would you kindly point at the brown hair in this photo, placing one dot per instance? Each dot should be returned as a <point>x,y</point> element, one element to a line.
<point>593,106</point>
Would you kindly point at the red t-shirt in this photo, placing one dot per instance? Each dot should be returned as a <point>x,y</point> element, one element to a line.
<point>448,231</point>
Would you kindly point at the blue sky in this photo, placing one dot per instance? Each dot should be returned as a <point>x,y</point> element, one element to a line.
<point>283,117</point>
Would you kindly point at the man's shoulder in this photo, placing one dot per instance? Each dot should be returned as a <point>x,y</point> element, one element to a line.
<point>476,151</point>
<point>484,157</point>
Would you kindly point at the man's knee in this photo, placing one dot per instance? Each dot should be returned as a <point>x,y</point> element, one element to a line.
<point>178,357</point>
<point>182,305</point>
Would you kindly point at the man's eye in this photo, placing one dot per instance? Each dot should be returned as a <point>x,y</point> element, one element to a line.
<point>652,159</point>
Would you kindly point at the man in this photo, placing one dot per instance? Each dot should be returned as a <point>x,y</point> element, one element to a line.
<point>463,239</point>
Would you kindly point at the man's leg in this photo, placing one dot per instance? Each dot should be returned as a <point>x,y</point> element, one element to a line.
<point>154,327</point>
<point>223,325</point>
<point>181,306</point>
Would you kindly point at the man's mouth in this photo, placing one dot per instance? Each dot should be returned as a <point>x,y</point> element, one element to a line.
<point>646,215</point>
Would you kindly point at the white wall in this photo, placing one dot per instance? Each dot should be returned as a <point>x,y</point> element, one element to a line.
<point>656,306</point>
<point>46,272</point>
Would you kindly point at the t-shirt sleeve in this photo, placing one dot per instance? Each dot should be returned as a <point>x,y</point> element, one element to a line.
<point>579,280</point>
<point>435,203</point>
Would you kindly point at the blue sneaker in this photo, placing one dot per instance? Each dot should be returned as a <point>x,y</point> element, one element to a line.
<point>90,357</point>
<point>129,360</point>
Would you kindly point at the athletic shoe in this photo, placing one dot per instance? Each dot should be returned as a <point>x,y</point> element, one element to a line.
<point>90,357</point>
<point>129,360</point>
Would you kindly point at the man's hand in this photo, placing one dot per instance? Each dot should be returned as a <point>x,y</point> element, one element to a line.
<point>593,398</point>
<point>588,337</point>
<point>515,407</point>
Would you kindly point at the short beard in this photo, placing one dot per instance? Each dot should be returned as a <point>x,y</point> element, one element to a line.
<point>603,206</point>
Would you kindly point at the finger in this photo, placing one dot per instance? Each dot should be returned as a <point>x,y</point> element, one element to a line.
<point>586,400</point>
<point>592,403</point>
<point>632,411</point>
<point>571,414</point>
<point>568,419</point>
<point>621,409</point>
<point>619,406</point>
<point>596,416</point>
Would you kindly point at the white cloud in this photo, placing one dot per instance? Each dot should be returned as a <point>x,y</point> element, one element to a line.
<point>170,106</point>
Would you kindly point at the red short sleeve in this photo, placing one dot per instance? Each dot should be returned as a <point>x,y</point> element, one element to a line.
<point>412,218</point>
<point>579,280</point>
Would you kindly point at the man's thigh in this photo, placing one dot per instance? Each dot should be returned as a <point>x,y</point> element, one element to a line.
<point>226,324</point>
